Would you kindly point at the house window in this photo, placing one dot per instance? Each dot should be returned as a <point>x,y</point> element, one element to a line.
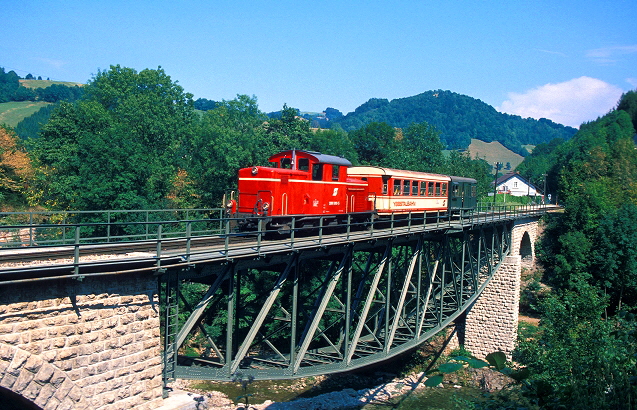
<point>515,184</point>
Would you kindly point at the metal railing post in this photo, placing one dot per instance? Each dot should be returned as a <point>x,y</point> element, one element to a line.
<point>292,231</point>
<point>76,252</point>
<point>227,236</point>
<point>158,245</point>
<point>188,239</point>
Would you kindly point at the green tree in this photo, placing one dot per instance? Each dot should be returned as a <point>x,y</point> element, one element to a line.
<point>374,142</point>
<point>334,142</point>
<point>581,360</point>
<point>289,131</point>
<point>420,149</point>
<point>115,148</point>
<point>228,137</point>
<point>615,255</point>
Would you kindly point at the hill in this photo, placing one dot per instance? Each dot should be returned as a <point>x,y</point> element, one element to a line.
<point>459,118</point>
<point>34,84</point>
<point>493,152</point>
<point>11,113</point>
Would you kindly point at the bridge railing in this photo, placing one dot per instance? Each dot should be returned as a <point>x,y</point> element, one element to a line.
<point>46,229</point>
<point>58,228</point>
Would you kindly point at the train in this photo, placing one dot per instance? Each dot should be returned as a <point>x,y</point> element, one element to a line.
<point>317,188</point>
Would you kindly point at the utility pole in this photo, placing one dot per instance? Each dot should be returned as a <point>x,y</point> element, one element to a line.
<point>495,180</point>
<point>544,196</point>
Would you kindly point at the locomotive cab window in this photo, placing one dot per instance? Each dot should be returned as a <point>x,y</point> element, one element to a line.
<point>286,163</point>
<point>274,164</point>
<point>454,190</point>
<point>385,184</point>
<point>474,192</point>
<point>317,172</point>
<point>304,164</point>
<point>336,169</point>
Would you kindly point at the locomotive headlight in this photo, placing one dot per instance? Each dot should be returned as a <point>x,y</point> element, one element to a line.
<point>255,170</point>
<point>266,206</point>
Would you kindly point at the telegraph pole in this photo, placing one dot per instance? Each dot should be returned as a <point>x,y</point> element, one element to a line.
<point>495,180</point>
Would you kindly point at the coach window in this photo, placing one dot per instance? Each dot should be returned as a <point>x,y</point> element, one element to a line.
<point>335,171</point>
<point>414,188</point>
<point>406,184</point>
<point>454,190</point>
<point>385,185</point>
<point>397,184</point>
<point>437,193</point>
<point>430,190</point>
<point>473,191</point>
<point>423,188</point>
<point>317,172</point>
<point>304,164</point>
<point>444,189</point>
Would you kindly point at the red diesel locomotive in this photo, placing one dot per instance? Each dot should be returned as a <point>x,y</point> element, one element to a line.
<point>309,185</point>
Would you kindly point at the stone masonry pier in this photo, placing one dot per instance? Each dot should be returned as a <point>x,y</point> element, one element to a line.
<point>491,324</point>
<point>91,344</point>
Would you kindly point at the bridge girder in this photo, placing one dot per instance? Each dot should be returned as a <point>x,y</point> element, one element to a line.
<point>311,312</point>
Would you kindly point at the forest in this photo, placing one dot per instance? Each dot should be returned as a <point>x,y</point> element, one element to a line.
<point>134,140</point>
<point>459,118</point>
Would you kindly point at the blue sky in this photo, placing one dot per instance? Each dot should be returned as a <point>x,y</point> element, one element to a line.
<point>569,61</point>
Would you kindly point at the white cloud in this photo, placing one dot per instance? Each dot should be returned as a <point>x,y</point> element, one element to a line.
<point>570,103</point>
<point>610,55</point>
<point>632,81</point>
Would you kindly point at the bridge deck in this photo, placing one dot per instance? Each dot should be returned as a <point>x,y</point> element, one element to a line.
<point>88,257</point>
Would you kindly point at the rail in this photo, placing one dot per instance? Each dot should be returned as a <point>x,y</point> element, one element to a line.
<point>134,241</point>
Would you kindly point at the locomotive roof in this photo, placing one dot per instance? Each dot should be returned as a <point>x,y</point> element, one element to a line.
<point>396,173</point>
<point>322,158</point>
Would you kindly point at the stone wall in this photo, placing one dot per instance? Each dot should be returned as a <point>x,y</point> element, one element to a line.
<point>491,324</point>
<point>93,344</point>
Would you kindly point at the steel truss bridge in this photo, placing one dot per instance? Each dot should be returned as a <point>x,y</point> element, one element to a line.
<point>312,302</point>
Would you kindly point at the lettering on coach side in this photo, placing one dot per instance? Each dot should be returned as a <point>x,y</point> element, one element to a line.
<point>404,203</point>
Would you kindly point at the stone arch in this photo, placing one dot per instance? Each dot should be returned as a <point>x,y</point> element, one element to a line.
<point>526,250</point>
<point>38,382</point>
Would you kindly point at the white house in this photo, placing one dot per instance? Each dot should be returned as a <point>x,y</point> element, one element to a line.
<point>516,185</point>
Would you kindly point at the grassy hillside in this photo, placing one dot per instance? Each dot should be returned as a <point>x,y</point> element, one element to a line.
<point>46,83</point>
<point>11,113</point>
<point>494,152</point>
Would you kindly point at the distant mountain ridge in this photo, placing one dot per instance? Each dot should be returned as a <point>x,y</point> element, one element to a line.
<point>459,118</point>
